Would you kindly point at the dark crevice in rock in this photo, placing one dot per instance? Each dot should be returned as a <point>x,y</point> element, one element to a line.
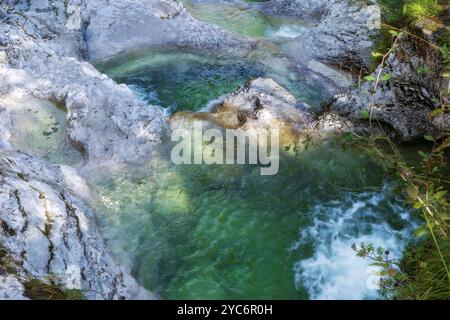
<point>21,210</point>
<point>71,212</point>
<point>7,229</point>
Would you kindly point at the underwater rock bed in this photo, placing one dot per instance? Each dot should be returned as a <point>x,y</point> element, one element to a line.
<point>225,232</point>
<point>184,232</point>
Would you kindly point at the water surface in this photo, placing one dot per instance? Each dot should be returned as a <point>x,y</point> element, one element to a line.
<point>247,19</point>
<point>40,129</point>
<point>180,79</point>
<point>225,232</point>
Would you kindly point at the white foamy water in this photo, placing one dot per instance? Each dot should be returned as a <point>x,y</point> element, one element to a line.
<point>152,98</point>
<point>287,31</point>
<point>334,271</point>
<point>143,94</point>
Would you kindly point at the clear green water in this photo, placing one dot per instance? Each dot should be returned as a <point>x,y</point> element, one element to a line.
<point>225,232</point>
<point>182,81</point>
<point>179,79</point>
<point>245,20</point>
<point>40,129</point>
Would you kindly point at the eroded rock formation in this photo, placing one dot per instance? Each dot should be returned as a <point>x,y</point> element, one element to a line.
<point>344,32</point>
<point>403,98</point>
<point>46,226</point>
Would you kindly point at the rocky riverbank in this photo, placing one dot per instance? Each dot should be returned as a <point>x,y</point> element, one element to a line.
<point>46,50</point>
<point>47,228</point>
<point>344,33</point>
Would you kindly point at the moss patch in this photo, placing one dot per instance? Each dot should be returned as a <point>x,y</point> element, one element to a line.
<point>36,289</point>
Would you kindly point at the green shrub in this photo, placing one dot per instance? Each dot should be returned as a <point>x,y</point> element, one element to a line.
<point>427,278</point>
<point>415,10</point>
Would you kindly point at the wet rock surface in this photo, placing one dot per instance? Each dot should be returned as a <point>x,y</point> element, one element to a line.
<point>260,103</point>
<point>43,58</point>
<point>309,10</point>
<point>44,46</point>
<point>264,103</point>
<point>132,24</point>
<point>46,227</point>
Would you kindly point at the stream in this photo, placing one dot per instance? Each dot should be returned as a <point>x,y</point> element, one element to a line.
<point>225,231</point>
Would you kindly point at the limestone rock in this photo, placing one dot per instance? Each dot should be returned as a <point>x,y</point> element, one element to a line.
<point>260,104</point>
<point>133,24</point>
<point>11,288</point>
<point>403,101</point>
<point>264,103</point>
<point>343,32</point>
<point>46,227</point>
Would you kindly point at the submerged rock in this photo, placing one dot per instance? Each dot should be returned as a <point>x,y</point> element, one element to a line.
<point>11,288</point>
<point>261,104</point>
<point>44,54</point>
<point>46,223</point>
<point>104,120</point>
<point>47,228</point>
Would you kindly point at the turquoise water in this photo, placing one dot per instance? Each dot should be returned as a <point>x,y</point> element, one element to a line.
<point>225,232</point>
<point>246,19</point>
<point>179,79</point>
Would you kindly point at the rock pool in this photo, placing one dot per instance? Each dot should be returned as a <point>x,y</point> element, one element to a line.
<point>225,232</point>
<point>246,19</point>
<point>179,79</point>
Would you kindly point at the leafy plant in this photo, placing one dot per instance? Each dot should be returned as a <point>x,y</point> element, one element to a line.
<point>7,264</point>
<point>391,276</point>
<point>424,273</point>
